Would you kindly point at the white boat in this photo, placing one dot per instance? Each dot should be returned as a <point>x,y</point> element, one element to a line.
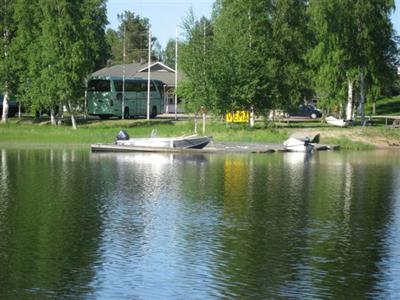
<point>336,122</point>
<point>297,145</point>
<point>184,142</point>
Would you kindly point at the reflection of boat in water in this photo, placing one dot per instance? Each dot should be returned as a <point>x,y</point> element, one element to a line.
<point>298,158</point>
<point>151,158</point>
<point>336,122</point>
<point>298,145</point>
<point>184,142</point>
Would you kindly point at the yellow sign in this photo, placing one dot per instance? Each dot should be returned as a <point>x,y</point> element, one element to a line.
<point>239,116</point>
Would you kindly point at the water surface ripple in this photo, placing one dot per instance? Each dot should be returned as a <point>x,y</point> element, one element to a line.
<point>77,225</point>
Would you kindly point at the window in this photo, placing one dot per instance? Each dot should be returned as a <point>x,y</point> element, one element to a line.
<point>99,85</point>
<point>118,85</point>
<point>132,86</point>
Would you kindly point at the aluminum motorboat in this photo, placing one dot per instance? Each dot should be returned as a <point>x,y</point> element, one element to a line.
<point>184,142</point>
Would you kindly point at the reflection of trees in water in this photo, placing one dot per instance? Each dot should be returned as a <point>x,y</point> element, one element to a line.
<point>4,185</point>
<point>260,227</point>
<point>303,229</point>
<point>389,262</point>
<point>347,210</point>
<point>53,224</point>
<point>4,204</point>
<point>250,226</point>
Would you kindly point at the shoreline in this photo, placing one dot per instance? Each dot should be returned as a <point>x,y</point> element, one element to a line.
<point>37,135</point>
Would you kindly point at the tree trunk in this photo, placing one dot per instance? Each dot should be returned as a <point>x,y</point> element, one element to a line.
<point>374,107</point>
<point>252,117</point>
<point>73,121</point>
<point>362,97</point>
<point>52,117</point>
<point>60,114</point>
<point>19,110</point>
<point>195,122</point>
<point>4,117</point>
<point>204,122</point>
<point>349,108</point>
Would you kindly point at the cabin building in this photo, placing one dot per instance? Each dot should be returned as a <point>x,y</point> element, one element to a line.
<point>158,71</point>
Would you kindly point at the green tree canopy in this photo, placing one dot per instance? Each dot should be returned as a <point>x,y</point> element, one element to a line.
<point>136,32</point>
<point>253,57</point>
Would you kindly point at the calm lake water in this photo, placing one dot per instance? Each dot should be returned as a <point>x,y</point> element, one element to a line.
<point>78,225</point>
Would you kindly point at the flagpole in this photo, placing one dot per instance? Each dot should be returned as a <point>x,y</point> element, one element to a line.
<point>148,78</point>
<point>123,75</point>
<point>176,73</point>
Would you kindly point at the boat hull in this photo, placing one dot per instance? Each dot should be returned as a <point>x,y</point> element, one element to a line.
<point>182,143</point>
<point>296,145</point>
<point>336,122</point>
<point>192,143</point>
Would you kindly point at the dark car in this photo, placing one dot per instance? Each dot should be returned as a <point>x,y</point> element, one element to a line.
<point>307,111</point>
<point>12,107</point>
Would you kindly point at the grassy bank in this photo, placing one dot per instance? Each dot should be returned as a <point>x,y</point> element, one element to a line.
<point>95,131</point>
<point>26,131</point>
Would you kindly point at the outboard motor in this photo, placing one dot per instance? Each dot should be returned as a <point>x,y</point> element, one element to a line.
<point>122,136</point>
<point>306,141</point>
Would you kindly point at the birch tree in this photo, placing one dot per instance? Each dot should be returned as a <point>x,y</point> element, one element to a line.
<point>27,17</point>
<point>5,58</point>
<point>254,58</point>
<point>71,40</point>
<point>376,46</point>
<point>353,46</point>
<point>195,61</point>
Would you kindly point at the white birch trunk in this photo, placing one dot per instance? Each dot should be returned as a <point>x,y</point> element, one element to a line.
<point>362,97</point>
<point>73,121</point>
<point>349,108</point>
<point>4,117</point>
<point>195,122</point>
<point>60,113</point>
<point>252,117</point>
<point>52,117</point>
<point>204,122</point>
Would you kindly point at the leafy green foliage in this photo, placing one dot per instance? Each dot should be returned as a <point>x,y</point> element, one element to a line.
<point>250,55</point>
<point>169,53</point>
<point>136,31</point>
<point>7,57</point>
<point>55,46</point>
<point>351,38</point>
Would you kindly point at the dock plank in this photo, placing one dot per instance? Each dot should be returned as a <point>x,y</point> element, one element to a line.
<point>221,147</point>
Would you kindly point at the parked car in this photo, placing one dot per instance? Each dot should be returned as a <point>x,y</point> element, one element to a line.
<point>12,107</point>
<point>307,111</point>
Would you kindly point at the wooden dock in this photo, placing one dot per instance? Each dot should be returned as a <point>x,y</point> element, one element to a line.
<point>220,147</point>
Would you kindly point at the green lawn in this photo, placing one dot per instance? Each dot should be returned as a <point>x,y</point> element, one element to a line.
<point>27,131</point>
<point>385,106</point>
<point>105,131</point>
